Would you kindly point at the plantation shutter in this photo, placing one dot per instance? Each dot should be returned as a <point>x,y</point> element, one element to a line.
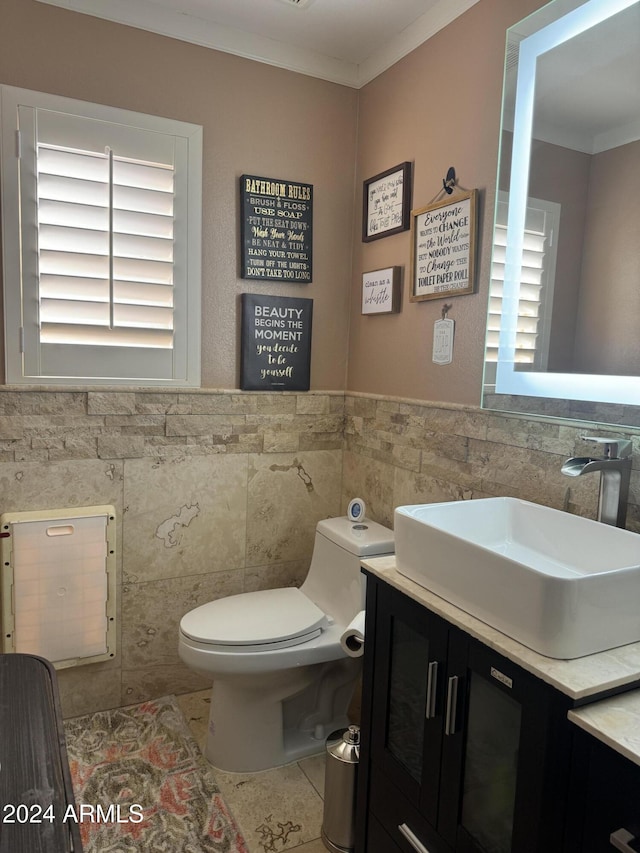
<point>109,247</point>
<point>105,249</point>
<point>537,276</point>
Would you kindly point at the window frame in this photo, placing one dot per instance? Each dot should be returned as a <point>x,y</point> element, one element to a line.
<point>186,358</point>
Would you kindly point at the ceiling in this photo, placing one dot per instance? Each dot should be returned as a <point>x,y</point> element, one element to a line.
<point>587,88</point>
<point>344,41</point>
<point>587,96</point>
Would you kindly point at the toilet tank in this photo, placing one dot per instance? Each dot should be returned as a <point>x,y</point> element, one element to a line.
<point>335,582</point>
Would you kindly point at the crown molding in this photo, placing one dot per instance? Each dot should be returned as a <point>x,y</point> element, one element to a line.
<point>441,13</point>
<point>153,18</point>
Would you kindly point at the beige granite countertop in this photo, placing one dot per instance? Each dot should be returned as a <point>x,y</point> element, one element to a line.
<point>614,721</point>
<point>579,679</point>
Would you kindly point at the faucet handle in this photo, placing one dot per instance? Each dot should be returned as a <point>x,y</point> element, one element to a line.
<point>613,448</point>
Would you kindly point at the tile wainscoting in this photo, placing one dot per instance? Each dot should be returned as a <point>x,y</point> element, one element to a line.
<point>219,492</point>
<point>216,493</point>
<point>401,452</point>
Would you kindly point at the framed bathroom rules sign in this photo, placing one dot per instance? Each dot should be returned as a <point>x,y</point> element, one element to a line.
<point>276,230</point>
<point>275,343</point>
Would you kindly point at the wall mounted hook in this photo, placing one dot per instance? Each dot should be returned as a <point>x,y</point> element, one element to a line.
<point>449,182</point>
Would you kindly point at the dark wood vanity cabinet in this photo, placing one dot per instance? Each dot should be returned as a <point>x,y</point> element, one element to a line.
<point>462,750</point>
<point>605,791</point>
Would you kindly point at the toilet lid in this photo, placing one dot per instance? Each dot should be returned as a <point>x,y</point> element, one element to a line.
<point>283,616</point>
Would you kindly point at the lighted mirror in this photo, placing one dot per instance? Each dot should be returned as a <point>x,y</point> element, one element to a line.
<point>564,313</point>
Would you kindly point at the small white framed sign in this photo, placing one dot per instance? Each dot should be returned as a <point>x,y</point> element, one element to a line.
<point>381,291</point>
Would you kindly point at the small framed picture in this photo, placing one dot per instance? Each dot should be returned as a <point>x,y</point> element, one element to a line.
<point>443,248</point>
<point>381,290</point>
<point>386,203</point>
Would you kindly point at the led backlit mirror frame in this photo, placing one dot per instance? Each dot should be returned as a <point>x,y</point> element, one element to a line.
<point>576,386</point>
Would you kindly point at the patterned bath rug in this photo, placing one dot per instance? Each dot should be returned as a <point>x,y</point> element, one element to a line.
<point>142,785</point>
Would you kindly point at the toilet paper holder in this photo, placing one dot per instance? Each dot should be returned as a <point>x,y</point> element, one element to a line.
<point>352,639</point>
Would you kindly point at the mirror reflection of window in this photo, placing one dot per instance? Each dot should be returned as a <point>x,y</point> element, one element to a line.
<point>536,289</point>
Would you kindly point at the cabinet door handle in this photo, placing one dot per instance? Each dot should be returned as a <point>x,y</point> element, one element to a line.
<point>412,838</point>
<point>452,706</point>
<point>620,839</point>
<point>432,685</point>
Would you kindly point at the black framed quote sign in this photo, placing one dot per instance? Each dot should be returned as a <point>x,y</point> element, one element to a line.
<point>276,229</point>
<point>386,203</point>
<point>275,343</point>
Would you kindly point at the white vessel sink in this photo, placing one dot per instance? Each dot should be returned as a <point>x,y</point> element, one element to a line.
<point>562,585</point>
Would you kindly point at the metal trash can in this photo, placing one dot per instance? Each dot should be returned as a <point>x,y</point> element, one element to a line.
<point>340,779</point>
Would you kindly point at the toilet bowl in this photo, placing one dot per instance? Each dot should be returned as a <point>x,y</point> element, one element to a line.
<point>282,681</point>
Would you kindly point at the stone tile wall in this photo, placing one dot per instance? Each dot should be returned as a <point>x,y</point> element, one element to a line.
<point>215,493</point>
<point>220,492</point>
<point>401,452</point>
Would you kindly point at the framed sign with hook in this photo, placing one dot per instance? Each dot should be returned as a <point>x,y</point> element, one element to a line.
<point>443,248</point>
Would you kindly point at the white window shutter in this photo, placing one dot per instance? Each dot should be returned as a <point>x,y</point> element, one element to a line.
<point>537,278</point>
<point>110,265</point>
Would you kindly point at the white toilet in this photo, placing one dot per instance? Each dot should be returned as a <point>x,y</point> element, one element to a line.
<point>282,681</point>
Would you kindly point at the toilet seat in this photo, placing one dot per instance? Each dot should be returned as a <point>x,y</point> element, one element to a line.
<point>265,619</point>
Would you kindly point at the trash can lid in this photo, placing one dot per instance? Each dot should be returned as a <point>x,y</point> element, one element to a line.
<point>346,747</point>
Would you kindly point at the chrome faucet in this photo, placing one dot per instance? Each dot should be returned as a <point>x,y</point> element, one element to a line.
<point>615,472</point>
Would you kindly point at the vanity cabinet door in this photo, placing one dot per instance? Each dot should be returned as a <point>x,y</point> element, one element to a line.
<point>607,790</point>
<point>408,698</point>
<point>502,766</point>
<point>379,840</point>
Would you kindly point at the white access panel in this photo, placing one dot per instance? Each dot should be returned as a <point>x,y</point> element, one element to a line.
<point>58,584</point>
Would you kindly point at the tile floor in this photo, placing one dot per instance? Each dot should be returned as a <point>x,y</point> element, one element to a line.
<point>277,809</point>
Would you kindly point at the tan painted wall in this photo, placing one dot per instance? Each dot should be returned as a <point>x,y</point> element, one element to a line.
<point>257,120</point>
<point>438,107</point>
<point>562,176</point>
<point>607,339</point>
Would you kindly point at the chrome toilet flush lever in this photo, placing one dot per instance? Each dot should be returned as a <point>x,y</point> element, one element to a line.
<point>615,472</point>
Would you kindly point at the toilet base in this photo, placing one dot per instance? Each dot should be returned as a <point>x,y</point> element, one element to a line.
<point>275,719</point>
